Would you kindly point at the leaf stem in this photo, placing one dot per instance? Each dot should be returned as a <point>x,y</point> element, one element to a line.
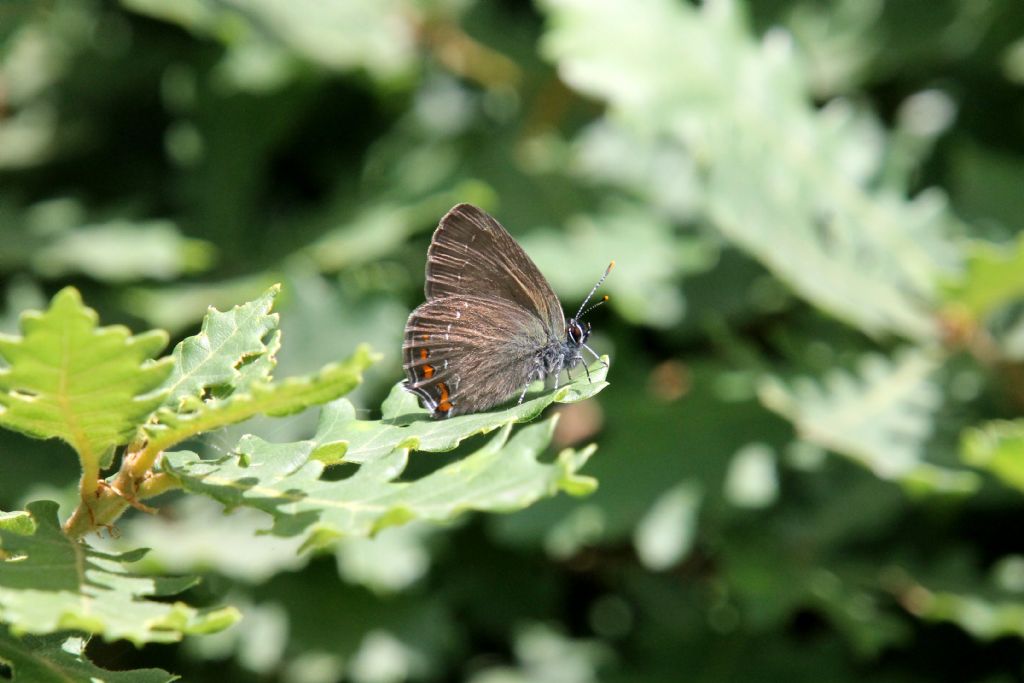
<point>109,500</point>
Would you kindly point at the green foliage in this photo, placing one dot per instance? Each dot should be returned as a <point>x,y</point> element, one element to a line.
<point>880,417</point>
<point>58,658</point>
<point>997,447</point>
<point>285,480</point>
<point>50,583</point>
<point>17,522</point>
<point>69,379</point>
<point>122,251</point>
<point>404,424</point>
<point>993,278</point>
<point>289,396</point>
<point>983,619</point>
<point>350,35</point>
<point>784,181</point>
<point>229,351</point>
<point>649,259</point>
<point>815,213</point>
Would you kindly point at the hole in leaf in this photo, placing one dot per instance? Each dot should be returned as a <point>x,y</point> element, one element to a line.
<point>247,359</point>
<point>217,391</point>
<point>422,463</point>
<point>339,471</point>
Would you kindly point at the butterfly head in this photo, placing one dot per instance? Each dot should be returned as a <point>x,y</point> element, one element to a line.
<point>576,334</point>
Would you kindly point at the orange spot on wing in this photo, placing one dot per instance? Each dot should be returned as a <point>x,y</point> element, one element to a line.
<point>428,371</point>
<point>424,354</point>
<point>444,405</point>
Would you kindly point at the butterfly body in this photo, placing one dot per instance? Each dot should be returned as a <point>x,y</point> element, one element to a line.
<point>491,323</point>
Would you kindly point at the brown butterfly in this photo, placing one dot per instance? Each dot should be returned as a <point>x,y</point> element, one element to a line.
<point>491,323</point>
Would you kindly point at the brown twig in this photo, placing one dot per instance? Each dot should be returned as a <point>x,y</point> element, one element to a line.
<point>127,488</point>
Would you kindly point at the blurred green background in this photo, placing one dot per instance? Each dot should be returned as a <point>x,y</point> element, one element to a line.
<point>815,319</point>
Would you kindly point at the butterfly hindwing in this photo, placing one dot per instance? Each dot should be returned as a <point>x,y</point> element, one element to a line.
<point>463,354</point>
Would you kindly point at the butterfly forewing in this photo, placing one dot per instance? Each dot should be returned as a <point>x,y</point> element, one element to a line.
<point>464,354</point>
<point>471,254</point>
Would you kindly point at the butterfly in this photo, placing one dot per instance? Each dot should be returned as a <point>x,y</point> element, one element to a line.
<point>491,323</point>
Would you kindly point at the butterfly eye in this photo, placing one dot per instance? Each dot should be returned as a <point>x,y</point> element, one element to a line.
<point>575,333</point>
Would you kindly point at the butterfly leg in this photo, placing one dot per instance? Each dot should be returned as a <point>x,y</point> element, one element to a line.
<point>529,380</point>
<point>594,353</point>
<point>558,372</point>
<point>585,368</point>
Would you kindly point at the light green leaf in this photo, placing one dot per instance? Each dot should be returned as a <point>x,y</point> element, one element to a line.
<point>405,424</point>
<point>544,654</point>
<point>49,583</point>
<point>666,533</point>
<point>375,231</point>
<point>650,259</point>
<point>58,658</point>
<point>122,251</point>
<point>280,479</point>
<point>179,307</point>
<point>194,535</point>
<point>879,417</point>
<point>655,170</point>
<point>983,619</point>
<point>17,522</point>
<point>751,481</point>
<point>788,182</point>
<point>91,387</point>
<point>389,562</point>
<point>999,448</point>
<point>373,35</point>
<point>288,396</point>
<point>229,352</point>
<point>993,277</point>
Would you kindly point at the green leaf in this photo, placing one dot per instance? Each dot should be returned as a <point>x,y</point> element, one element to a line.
<point>650,259</point>
<point>59,658</point>
<point>288,396</point>
<point>666,533</point>
<point>194,535</point>
<point>229,350</point>
<point>49,583</point>
<point>376,231</point>
<point>405,424</point>
<point>372,36</point>
<point>999,448</point>
<point>91,387</point>
<point>179,307</point>
<point>280,479</point>
<point>879,417</point>
<point>983,619</point>
<point>17,522</point>
<point>122,251</point>
<point>993,277</point>
<point>787,182</point>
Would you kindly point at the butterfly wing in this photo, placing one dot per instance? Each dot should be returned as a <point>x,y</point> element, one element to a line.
<point>471,254</point>
<point>463,354</point>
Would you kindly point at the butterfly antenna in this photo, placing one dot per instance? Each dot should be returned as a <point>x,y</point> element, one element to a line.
<point>582,315</point>
<point>599,282</point>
